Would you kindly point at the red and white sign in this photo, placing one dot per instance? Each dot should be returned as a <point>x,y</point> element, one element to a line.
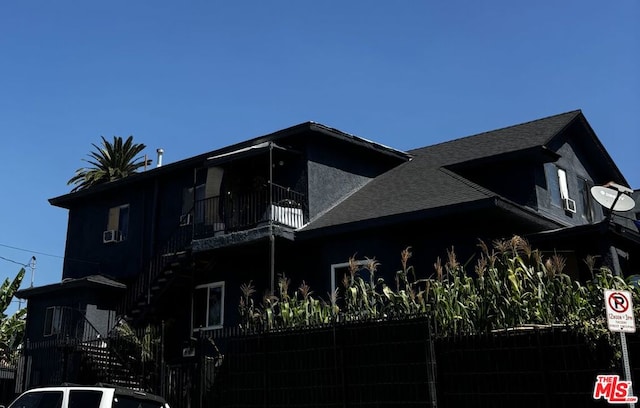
<point>614,390</point>
<point>619,308</point>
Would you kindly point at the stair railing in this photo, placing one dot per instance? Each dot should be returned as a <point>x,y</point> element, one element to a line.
<point>139,291</point>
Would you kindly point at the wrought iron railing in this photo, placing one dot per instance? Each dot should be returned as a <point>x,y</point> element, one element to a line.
<point>236,212</point>
<point>81,353</point>
<point>138,293</point>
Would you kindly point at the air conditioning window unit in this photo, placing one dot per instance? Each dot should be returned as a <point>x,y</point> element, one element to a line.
<point>188,352</point>
<point>185,219</point>
<point>111,236</point>
<point>569,205</point>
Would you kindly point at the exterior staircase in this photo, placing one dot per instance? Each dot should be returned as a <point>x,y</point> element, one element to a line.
<point>167,269</point>
<point>107,367</point>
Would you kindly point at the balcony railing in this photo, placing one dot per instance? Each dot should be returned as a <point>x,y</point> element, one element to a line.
<point>236,212</point>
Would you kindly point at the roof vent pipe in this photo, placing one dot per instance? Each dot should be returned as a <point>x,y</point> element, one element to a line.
<point>160,152</point>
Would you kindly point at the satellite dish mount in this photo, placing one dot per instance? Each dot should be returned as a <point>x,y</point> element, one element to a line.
<point>613,197</point>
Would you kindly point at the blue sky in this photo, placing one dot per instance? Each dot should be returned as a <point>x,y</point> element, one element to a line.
<point>198,75</point>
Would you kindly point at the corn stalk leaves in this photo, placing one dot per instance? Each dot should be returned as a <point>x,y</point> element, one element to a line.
<point>512,285</point>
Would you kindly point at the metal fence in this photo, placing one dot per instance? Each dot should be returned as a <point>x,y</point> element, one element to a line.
<point>123,357</point>
<point>397,363</point>
<point>548,367</point>
<point>370,364</point>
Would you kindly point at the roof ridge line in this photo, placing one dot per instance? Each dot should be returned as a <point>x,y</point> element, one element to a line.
<point>340,201</point>
<point>464,180</point>
<point>497,130</point>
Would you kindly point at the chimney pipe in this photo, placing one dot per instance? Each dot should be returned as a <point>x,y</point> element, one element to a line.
<point>160,152</point>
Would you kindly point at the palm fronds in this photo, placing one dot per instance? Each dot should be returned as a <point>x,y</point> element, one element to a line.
<point>109,162</point>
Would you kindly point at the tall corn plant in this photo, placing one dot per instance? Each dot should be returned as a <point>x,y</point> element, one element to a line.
<point>453,296</point>
<point>283,310</point>
<point>361,300</point>
<point>410,296</point>
<point>511,285</point>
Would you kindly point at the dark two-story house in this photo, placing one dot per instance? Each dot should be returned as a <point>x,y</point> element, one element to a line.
<point>172,245</point>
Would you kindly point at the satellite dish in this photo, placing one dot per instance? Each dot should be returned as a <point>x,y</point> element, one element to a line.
<point>610,197</point>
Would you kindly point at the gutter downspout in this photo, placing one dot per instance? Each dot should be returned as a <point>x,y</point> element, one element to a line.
<point>152,238</point>
<point>272,239</point>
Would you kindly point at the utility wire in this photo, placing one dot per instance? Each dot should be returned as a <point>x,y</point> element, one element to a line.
<point>12,261</point>
<point>30,251</point>
<point>43,254</point>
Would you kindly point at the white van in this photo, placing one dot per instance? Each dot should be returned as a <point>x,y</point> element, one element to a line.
<point>81,396</point>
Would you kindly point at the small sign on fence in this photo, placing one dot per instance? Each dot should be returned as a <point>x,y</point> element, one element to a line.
<point>619,308</point>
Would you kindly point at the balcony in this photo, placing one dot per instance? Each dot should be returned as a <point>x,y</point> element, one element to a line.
<point>227,214</point>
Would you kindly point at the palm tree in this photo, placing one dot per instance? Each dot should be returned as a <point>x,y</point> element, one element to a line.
<point>109,162</point>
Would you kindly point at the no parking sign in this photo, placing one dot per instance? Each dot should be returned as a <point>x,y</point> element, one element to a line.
<point>619,307</point>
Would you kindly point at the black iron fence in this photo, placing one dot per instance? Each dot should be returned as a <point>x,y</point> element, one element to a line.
<point>398,363</point>
<point>544,367</point>
<point>7,383</point>
<point>368,364</point>
<point>80,353</point>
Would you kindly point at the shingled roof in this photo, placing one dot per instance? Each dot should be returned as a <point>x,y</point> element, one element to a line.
<point>426,183</point>
<point>72,284</point>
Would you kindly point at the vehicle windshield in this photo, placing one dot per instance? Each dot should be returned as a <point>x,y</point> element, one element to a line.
<point>40,399</point>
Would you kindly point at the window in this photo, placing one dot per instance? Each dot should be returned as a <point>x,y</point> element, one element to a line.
<point>192,201</point>
<point>587,210</point>
<point>562,181</point>
<point>208,306</point>
<point>126,401</point>
<point>558,188</point>
<point>117,224</point>
<point>84,399</point>
<point>553,184</point>
<point>53,318</point>
<point>39,399</point>
<point>341,270</point>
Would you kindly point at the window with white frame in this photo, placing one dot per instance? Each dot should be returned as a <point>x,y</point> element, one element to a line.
<point>562,181</point>
<point>208,306</point>
<point>53,320</point>
<point>117,224</point>
<point>341,271</point>
<point>558,188</point>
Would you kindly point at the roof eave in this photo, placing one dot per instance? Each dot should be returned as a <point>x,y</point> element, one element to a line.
<point>431,213</point>
<point>65,201</point>
<point>88,282</point>
<point>610,162</point>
